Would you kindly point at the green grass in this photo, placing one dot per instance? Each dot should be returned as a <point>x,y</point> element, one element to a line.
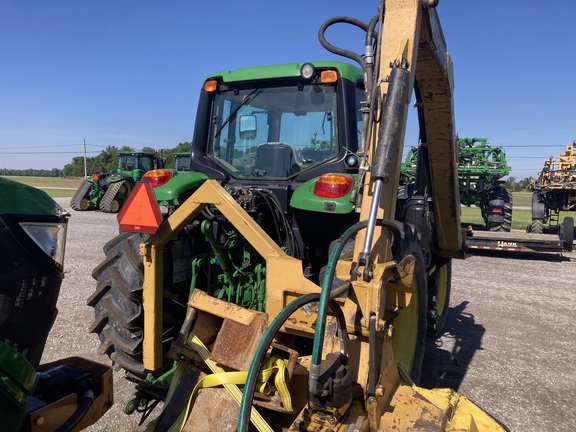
<point>522,199</point>
<point>56,187</point>
<point>521,212</point>
<point>472,216</point>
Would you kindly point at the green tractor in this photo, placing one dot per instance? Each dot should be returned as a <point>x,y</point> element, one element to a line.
<point>286,148</point>
<point>261,146</point>
<point>108,192</point>
<point>480,169</point>
<point>272,227</point>
<point>182,161</point>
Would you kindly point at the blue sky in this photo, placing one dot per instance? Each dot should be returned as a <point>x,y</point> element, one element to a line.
<point>128,72</point>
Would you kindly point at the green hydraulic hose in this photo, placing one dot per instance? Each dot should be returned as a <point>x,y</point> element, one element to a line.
<point>325,298</point>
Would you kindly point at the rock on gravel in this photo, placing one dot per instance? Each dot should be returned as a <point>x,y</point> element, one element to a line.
<point>509,342</point>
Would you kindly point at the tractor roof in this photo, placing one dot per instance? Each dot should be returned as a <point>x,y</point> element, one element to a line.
<point>346,70</point>
<point>136,153</point>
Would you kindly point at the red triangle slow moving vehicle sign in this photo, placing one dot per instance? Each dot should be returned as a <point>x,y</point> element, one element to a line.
<point>140,213</point>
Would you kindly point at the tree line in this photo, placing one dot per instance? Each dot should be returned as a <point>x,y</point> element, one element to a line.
<point>107,161</point>
<point>54,172</point>
<point>517,185</point>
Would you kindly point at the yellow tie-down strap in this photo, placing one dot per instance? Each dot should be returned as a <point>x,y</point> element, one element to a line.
<point>273,367</point>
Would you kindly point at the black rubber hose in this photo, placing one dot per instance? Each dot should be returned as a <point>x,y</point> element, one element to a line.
<point>86,401</point>
<point>326,288</point>
<point>340,51</point>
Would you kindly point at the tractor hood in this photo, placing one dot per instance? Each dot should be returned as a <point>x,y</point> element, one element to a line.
<point>18,198</point>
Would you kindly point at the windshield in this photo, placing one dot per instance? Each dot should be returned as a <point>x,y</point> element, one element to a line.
<point>132,162</point>
<point>182,163</point>
<point>275,131</point>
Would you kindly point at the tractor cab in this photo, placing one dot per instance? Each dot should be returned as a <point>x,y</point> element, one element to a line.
<point>285,122</point>
<point>135,164</point>
<point>181,161</point>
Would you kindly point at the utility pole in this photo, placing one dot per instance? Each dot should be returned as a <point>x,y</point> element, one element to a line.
<point>85,167</point>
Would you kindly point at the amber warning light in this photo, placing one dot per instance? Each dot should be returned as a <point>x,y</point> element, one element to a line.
<point>140,213</point>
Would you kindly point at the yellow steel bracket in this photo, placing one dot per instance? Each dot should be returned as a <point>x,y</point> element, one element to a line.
<point>284,273</point>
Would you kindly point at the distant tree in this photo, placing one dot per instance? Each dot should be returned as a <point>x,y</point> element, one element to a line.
<point>525,183</point>
<point>75,168</point>
<point>108,160</point>
<point>510,183</point>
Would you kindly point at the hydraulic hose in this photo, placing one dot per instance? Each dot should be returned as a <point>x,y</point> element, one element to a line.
<point>326,291</point>
<point>260,355</point>
<point>84,404</point>
<point>340,51</point>
<point>326,301</point>
<point>325,294</point>
<point>366,62</point>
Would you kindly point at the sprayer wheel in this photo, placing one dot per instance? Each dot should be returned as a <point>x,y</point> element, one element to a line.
<point>537,226</point>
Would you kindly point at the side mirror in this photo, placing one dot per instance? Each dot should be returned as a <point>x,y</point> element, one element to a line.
<point>247,127</point>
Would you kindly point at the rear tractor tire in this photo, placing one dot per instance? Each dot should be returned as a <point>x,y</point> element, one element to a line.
<point>410,326</point>
<point>439,287</point>
<point>79,201</point>
<point>117,303</point>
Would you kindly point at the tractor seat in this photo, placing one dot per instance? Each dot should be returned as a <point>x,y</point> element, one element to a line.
<point>276,160</point>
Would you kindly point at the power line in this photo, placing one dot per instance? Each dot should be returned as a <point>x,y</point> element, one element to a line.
<point>527,157</point>
<point>533,145</point>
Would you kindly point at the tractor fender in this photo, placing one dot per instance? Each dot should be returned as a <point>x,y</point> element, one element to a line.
<point>180,186</point>
<point>305,199</point>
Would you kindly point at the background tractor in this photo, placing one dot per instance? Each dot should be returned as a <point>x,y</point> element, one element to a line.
<point>66,395</point>
<point>108,191</point>
<point>181,161</point>
<point>283,261</point>
<point>554,190</point>
<point>480,170</point>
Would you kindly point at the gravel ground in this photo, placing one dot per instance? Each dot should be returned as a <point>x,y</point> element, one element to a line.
<point>509,343</point>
